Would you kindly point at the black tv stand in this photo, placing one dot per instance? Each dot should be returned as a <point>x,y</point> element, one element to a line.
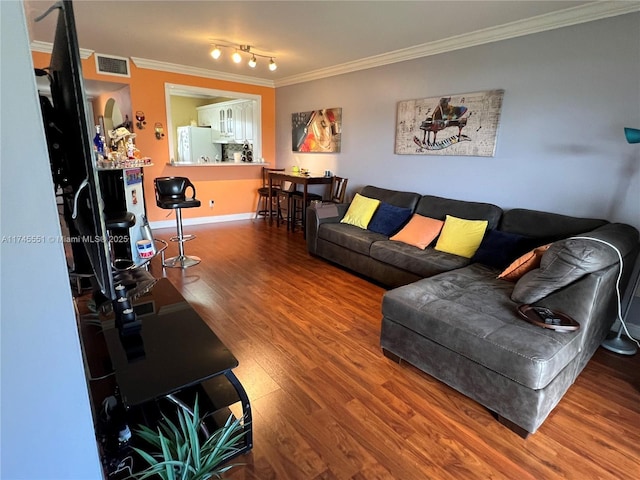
<point>175,356</point>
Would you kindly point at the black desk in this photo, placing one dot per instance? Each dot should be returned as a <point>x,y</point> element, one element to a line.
<point>175,350</point>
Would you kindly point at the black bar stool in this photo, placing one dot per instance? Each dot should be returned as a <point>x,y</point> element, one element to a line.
<point>118,225</point>
<point>171,195</point>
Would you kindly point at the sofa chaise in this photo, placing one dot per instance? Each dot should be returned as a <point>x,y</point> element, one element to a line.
<point>455,319</point>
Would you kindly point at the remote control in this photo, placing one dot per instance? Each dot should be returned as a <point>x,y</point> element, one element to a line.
<point>548,316</point>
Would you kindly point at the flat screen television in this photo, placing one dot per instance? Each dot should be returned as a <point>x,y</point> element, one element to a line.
<point>81,193</point>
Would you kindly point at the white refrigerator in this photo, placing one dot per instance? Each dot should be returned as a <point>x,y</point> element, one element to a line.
<point>195,146</point>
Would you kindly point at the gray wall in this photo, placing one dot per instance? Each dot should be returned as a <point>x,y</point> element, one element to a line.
<point>561,147</point>
<point>46,426</point>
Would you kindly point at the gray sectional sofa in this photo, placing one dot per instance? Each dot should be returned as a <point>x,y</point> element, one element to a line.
<point>453,318</point>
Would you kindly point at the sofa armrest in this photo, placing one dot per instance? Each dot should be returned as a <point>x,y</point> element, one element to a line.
<point>314,222</point>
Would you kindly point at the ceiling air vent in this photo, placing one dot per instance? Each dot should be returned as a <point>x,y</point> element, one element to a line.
<point>110,65</point>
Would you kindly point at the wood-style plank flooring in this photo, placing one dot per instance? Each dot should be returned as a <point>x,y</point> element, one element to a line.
<point>328,405</point>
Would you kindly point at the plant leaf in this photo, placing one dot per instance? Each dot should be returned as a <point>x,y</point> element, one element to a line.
<point>166,452</point>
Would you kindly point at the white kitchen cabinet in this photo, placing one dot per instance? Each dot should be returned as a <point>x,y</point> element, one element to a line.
<point>213,116</point>
<point>243,121</point>
<point>205,115</point>
<point>203,119</point>
<point>229,121</point>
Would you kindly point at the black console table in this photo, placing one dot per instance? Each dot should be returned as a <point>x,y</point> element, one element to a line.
<point>174,353</point>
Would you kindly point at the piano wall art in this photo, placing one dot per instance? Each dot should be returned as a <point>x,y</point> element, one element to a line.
<point>461,124</point>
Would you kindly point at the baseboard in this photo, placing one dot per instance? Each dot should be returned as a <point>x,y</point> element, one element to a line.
<point>202,220</point>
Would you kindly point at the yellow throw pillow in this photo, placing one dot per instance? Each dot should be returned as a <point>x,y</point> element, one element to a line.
<point>461,237</point>
<point>524,264</point>
<point>360,211</point>
<point>419,232</point>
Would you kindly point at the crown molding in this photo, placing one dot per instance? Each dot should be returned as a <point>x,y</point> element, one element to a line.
<point>541,23</point>
<point>200,72</point>
<point>47,47</point>
<point>551,21</point>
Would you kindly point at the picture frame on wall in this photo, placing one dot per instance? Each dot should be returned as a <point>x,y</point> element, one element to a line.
<point>317,131</point>
<point>461,124</point>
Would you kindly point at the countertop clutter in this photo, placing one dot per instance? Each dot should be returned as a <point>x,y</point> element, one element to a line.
<point>119,152</point>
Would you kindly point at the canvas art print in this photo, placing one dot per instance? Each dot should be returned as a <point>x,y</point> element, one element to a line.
<point>463,124</point>
<point>317,130</point>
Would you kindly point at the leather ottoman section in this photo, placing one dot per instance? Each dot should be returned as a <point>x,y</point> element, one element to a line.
<point>348,236</point>
<point>513,401</point>
<point>424,263</point>
<point>469,311</point>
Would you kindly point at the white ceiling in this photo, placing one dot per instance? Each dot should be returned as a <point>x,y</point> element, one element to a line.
<point>309,39</point>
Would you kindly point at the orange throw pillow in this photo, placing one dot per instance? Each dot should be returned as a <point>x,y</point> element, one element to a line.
<point>419,232</point>
<point>524,264</point>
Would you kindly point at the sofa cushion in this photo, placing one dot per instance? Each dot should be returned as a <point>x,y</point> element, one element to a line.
<point>360,211</point>
<point>568,260</point>
<point>470,312</point>
<point>524,264</point>
<point>460,236</point>
<point>419,232</point>
<point>439,207</point>
<point>424,263</point>
<point>498,249</point>
<point>348,236</point>
<point>544,225</point>
<point>394,197</point>
<point>388,219</point>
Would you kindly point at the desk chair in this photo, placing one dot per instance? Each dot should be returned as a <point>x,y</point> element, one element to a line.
<point>263,193</point>
<point>171,195</point>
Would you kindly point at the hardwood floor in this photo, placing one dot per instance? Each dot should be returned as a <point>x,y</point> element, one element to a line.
<point>328,405</point>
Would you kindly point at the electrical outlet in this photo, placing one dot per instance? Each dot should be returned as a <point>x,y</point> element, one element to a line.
<point>210,203</point>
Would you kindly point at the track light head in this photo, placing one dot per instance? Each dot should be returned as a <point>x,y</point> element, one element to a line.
<point>215,53</point>
<point>252,61</point>
<point>236,57</point>
<point>272,65</point>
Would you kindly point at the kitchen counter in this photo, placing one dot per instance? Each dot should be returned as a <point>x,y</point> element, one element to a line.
<point>218,164</point>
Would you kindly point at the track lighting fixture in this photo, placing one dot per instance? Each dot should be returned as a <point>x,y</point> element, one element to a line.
<point>216,53</point>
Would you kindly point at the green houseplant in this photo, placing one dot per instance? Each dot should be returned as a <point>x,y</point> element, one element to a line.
<point>181,454</point>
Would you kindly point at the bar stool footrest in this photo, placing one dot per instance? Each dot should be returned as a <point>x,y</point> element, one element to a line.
<point>185,238</point>
<point>181,261</point>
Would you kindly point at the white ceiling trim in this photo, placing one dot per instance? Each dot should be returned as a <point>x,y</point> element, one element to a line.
<point>564,18</point>
<point>540,23</point>
<point>200,72</point>
<point>47,47</point>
